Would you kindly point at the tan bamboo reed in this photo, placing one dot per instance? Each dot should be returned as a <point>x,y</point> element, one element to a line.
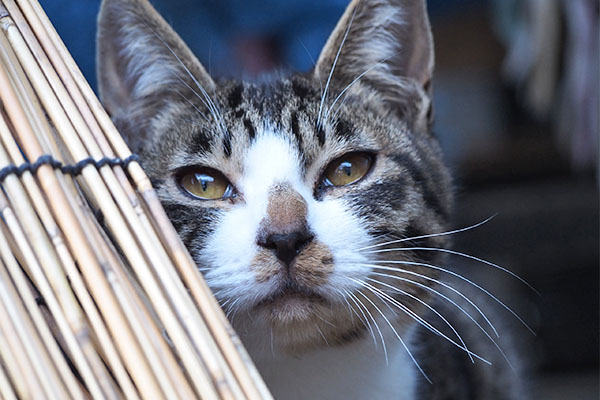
<point>110,295</point>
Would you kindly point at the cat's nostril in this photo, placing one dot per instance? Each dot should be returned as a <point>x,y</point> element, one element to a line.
<point>286,245</point>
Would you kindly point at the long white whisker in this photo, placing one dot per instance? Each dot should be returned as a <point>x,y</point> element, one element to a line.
<point>397,336</point>
<point>359,303</point>
<point>313,63</point>
<point>433,329</point>
<point>430,235</point>
<point>324,320</point>
<point>387,298</point>
<point>212,106</point>
<point>456,305</point>
<point>322,336</point>
<point>352,311</point>
<point>337,56</point>
<point>365,320</point>
<point>213,112</point>
<point>225,302</point>
<point>459,276</point>
<point>193,105</point>
<point>437,292</point>
<point>458,253</point>
<point>350,85</point>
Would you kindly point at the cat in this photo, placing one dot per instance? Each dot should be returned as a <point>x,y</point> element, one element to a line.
<point>313,203</point>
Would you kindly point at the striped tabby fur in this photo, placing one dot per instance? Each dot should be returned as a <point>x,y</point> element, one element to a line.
<point>347,317</point>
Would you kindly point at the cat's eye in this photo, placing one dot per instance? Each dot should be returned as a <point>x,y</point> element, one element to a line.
<point>206,184</point>
<point>347,169</point>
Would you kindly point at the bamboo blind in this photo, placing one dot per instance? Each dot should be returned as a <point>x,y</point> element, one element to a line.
<point>98,297</point>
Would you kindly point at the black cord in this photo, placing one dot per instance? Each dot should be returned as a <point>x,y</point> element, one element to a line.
<point>66,169</point>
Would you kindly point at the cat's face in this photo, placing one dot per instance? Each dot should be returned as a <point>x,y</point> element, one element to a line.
<point>285,190</point>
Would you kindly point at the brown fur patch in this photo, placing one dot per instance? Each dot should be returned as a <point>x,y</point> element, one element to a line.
<point>286,211</point>
<point>308,269</point>
<point>265,265</point>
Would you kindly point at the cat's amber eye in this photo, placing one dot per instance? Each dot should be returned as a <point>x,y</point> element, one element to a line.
<point>206,184</point>
<point>348,169</point>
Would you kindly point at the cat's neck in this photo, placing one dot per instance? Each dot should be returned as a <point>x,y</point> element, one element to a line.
<point>353,371</point>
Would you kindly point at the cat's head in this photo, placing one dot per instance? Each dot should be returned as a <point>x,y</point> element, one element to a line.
<point>287,190</point>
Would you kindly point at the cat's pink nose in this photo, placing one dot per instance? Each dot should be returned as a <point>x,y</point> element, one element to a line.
<point>286,245</point>
<point>284,229</point>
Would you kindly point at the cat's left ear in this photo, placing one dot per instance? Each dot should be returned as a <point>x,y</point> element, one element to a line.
<point>389,43</point>
<point>141,61</point>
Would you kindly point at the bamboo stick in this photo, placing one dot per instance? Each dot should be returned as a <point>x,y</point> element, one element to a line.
<point>79,246</point>
<point>6,390</point>
<point>227,338</point>
<point>184,307</point>
<point>129,280</point>
<point>22,287</point>
<point>113,216</point>
<point>35,348</point>
<point>10,342</point>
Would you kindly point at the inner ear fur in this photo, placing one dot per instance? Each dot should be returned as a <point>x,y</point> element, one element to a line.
<point>392,40</point>
<point>140,58</point>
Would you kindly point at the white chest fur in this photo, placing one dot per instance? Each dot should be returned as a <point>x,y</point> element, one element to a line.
<point>353,371</point>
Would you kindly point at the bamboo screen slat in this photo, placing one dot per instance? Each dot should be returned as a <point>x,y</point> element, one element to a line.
<point>98,297</point>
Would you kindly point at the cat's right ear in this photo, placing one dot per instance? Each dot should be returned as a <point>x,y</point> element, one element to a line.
<point>383,47</point>
<point>140,58</point>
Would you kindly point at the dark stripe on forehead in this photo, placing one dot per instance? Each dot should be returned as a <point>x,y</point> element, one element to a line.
<point>239,114</point>
<point>296,129</point>
<point>430,196</point>
<point>321,135</point>
<point>235,97</point>
<point>299,89</point>
<point>343,129</point>
<point>227,145</point>
<point>250,128</point>
<point>200,143</point>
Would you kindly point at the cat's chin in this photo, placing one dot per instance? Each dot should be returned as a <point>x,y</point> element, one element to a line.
<point>290,307</point>
<point>292,322</point>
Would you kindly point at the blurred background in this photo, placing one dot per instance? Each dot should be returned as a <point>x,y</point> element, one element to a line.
<point>517,112</point>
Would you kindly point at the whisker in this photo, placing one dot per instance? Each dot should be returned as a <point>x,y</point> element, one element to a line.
<point>312,60</point>
<point>350,85</point>
<point>398,336</point>
<point>352,311</point>
<point>385,299</point>
<point>324,320</point>
<point>272,346</point>
<point>437,281</point>
<point>364,284</point>
<point>459,276</point>
<point>323,336</point>
<point>211,105</point>
<point>193,105</point>
<point>431,235</point>
<point>458,253</point>
<point>433,329</point>
<point>213,112</point>
<point>365,321</point>
<point>337,56</point>
<point>224,303</point>
<point>356,299</point>
<point>456,305</point>
<point>231,306</point>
